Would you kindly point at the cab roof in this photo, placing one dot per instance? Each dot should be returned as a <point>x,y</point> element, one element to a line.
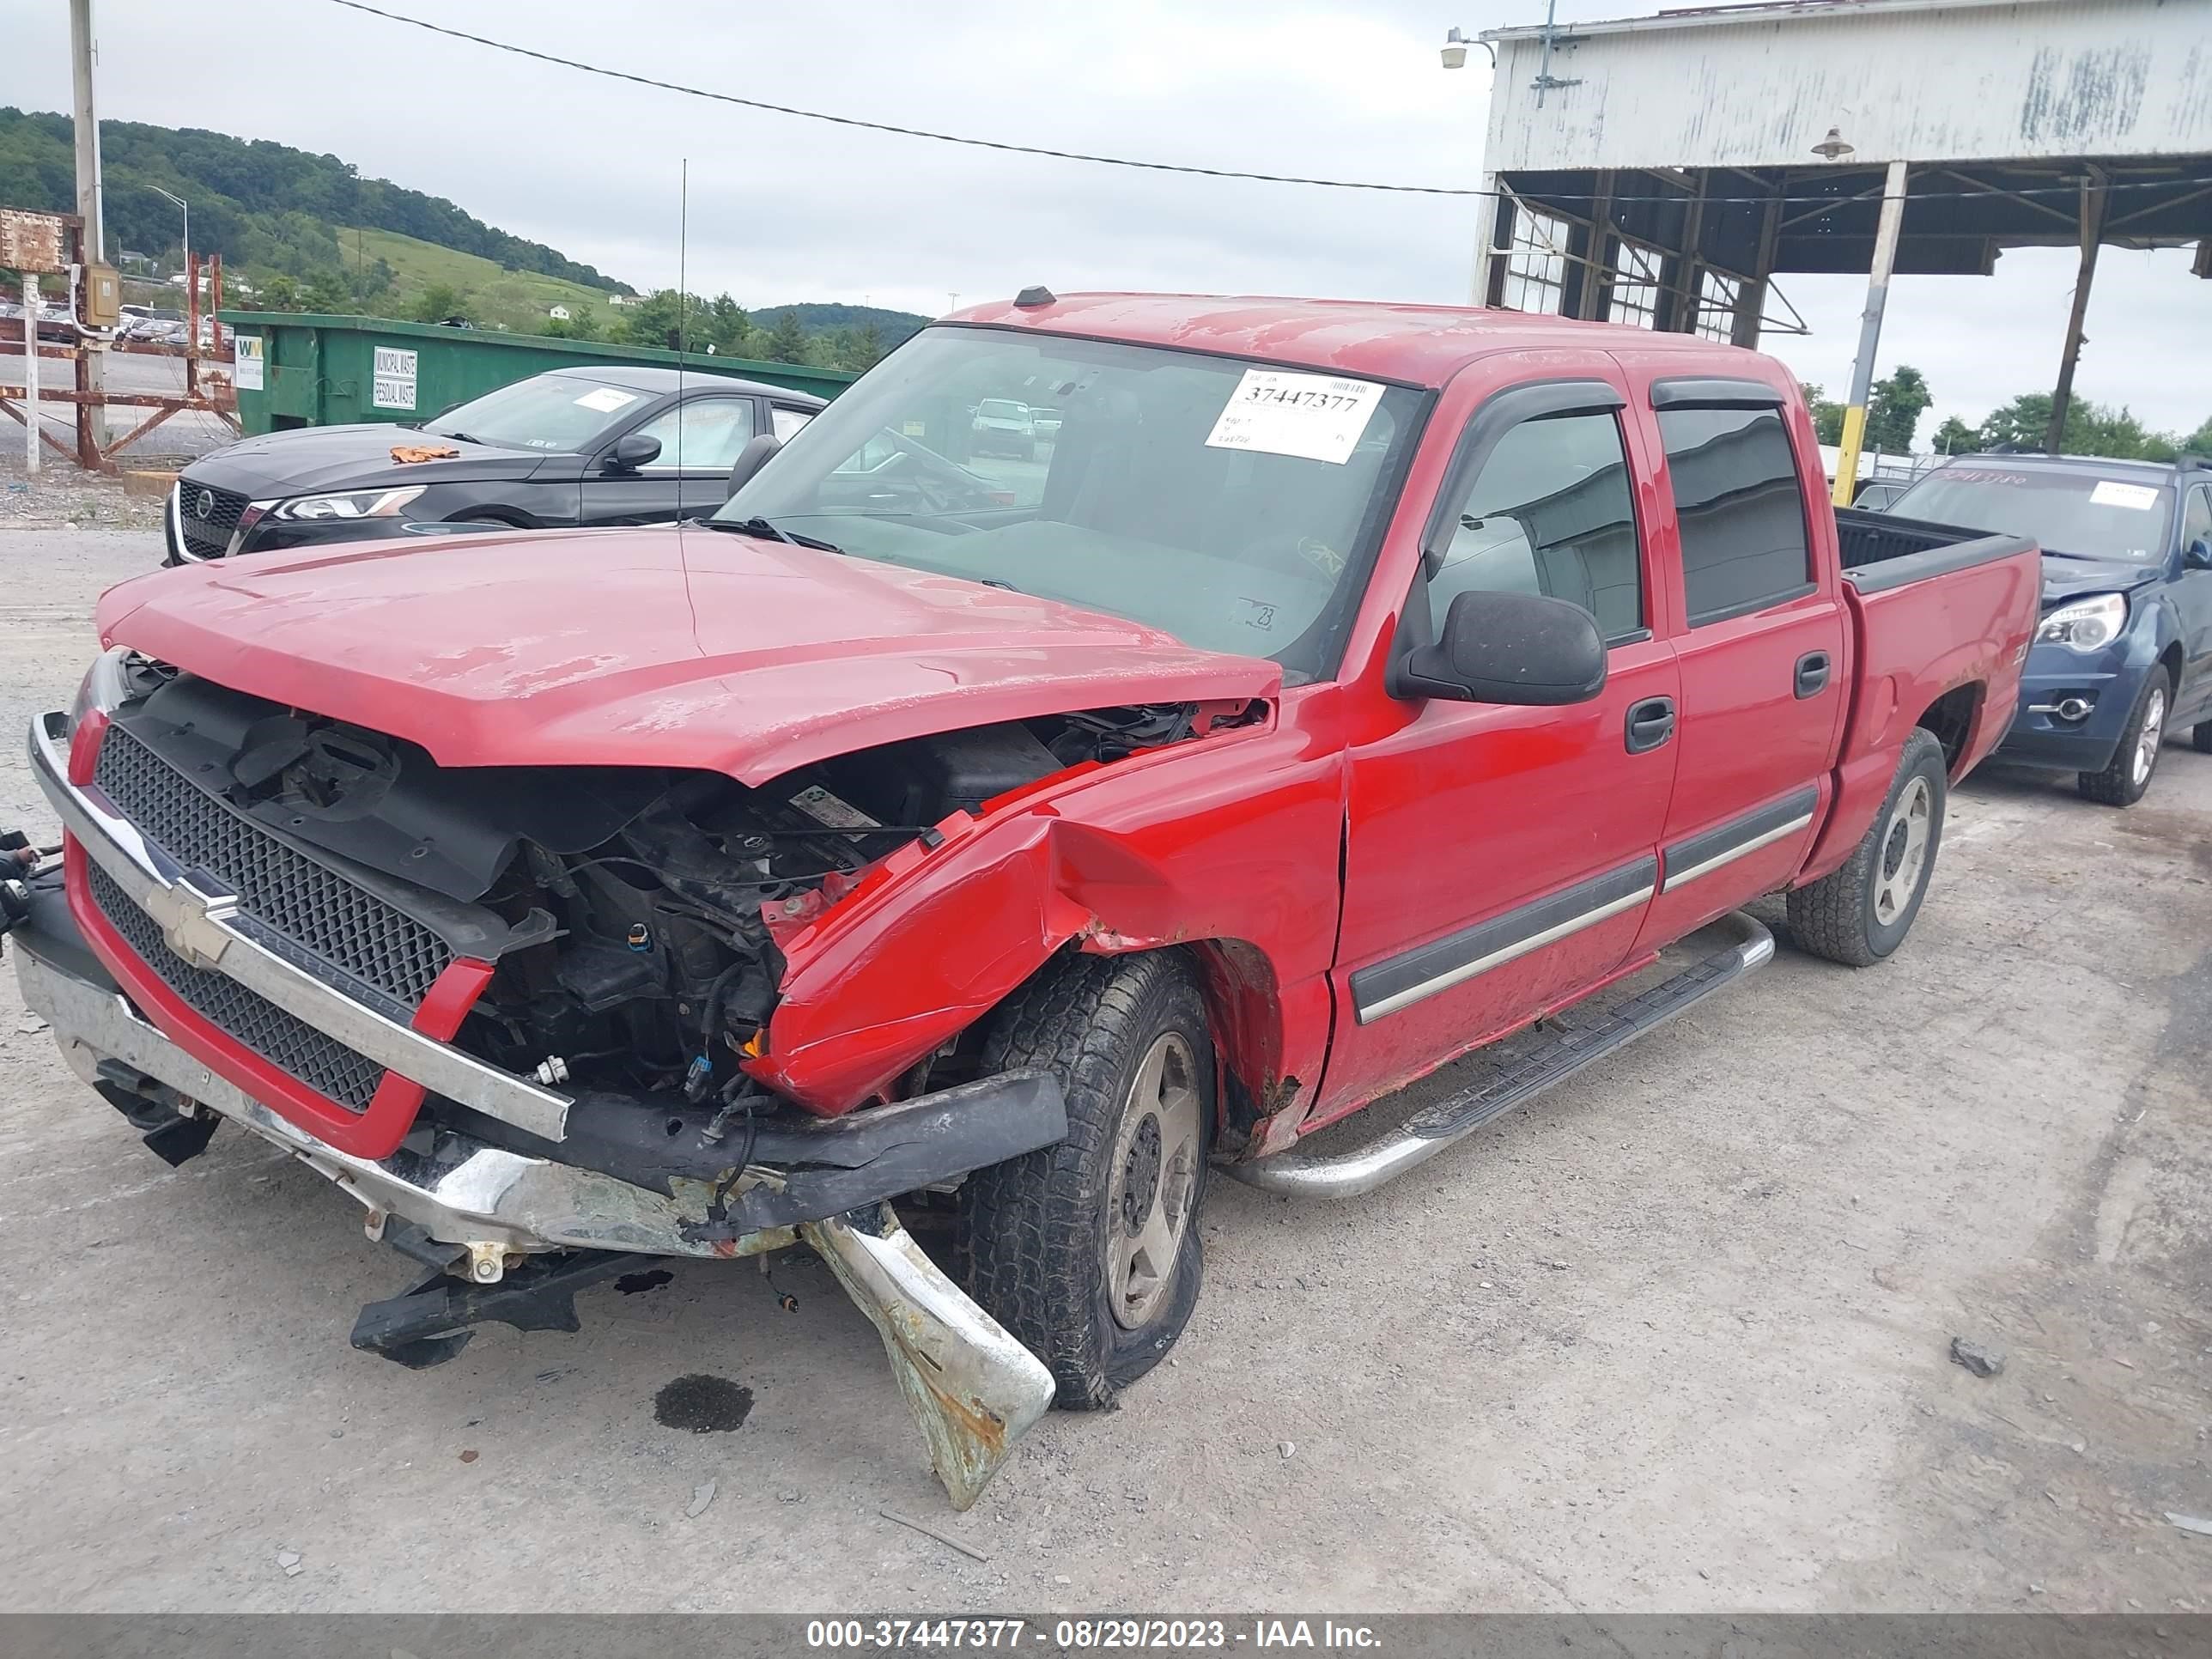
<point>1415,345</point>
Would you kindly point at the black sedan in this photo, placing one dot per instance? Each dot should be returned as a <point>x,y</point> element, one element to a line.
<point>572,447</point>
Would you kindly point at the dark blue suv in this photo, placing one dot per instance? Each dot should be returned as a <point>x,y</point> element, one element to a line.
<point>2124,651</point>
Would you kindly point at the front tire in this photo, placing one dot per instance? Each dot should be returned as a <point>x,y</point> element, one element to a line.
<point>2127,773</point>
<point>2200,737</point>
<point>1860,913</point>
<point>1088,1251</point>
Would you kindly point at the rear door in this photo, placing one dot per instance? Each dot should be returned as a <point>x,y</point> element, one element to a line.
<point>700,438</point>
<point>1500,859</point>
<point>1759,642</point>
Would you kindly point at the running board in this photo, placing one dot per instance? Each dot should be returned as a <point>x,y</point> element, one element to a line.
<point>1429,1131</point>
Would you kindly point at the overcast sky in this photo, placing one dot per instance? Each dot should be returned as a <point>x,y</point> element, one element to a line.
<point>783,210</point>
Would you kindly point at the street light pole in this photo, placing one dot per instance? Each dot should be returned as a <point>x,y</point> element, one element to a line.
<point>187,207</point>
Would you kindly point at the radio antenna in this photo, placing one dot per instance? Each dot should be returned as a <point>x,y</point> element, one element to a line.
<point>682,299</point>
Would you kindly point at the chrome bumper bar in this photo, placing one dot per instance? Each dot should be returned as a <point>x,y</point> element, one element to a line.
<point>198,927</point>
<point>460,1191</point>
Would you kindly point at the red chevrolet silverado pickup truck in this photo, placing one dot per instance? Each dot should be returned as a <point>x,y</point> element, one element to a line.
<point>1338,689</point>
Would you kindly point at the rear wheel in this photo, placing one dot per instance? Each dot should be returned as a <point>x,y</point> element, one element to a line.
<point>2127,774</point>
<point>1088,1251</point>
<point>1859,914</point>
<point>2200,737</point>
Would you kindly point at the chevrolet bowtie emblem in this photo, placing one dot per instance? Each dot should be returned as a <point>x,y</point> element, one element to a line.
<point>191,923</point>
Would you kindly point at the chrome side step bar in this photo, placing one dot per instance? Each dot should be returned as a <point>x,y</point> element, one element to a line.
<point>1429,1131</point>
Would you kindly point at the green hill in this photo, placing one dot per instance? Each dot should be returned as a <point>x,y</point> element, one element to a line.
<point>260,204</point>
<point>892,327</point>
<point>488,293</point>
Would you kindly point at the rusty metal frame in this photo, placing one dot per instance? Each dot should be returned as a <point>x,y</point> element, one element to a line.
<point>216,396</point>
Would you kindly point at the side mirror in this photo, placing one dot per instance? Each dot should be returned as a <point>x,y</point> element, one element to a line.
<point>1509,648</point>
<point>751,460</point>
<point>632,451</point>
<point>2197,555</point>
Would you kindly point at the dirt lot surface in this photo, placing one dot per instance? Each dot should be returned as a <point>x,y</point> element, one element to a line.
<point>1675,1338</point>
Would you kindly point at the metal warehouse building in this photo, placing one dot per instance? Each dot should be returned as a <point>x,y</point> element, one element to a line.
<point>1663,171</point>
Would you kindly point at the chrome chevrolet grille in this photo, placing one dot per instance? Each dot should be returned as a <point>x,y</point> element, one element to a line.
<point>290,1044</point>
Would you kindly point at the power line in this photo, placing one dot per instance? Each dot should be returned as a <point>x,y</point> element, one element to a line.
<point>969,142</point>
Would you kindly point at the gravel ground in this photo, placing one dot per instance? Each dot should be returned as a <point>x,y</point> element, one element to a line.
<point>1676,1339</point>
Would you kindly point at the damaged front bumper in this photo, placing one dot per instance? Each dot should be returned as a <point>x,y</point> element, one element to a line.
<point>479,1211</point>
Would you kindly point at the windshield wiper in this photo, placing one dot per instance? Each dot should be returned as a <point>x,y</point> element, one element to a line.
<point>463,437</point>
<point>775,533</point>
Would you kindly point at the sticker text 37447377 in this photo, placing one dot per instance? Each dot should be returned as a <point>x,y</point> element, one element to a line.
<point>1314,417</point>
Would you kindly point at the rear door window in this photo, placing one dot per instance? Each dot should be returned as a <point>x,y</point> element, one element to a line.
<point>1739,508</point>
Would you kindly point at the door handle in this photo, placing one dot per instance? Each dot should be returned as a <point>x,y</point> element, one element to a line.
<point>1812,674</point>
<point>1650,723</point>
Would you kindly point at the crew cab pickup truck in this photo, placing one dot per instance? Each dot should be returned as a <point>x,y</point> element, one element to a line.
<point>1356,685</point>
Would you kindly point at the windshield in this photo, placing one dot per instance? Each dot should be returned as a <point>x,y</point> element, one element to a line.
<point>557,412</point>
<point>2066,510</point>
<point>1234,507</point>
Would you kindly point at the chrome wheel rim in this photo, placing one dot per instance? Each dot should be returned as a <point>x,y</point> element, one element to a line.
<point>1904,850</point>
<point>2153,729</point>
<point>1155,1172</point>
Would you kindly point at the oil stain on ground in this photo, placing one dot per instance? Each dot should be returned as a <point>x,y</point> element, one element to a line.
<point>702,1404</point>
<point>631,1283</point>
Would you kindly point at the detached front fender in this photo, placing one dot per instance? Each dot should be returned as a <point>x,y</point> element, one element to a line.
<point>1230,846</point>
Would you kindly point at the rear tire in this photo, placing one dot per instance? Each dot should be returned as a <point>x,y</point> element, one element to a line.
<point>2127,773</point>
<point>1859,914</point>
<point>2200,737</point>
<point>1088,1251</point>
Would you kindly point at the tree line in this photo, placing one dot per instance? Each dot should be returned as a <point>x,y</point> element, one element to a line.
<point>664,319</point>
<point>1895,405</point>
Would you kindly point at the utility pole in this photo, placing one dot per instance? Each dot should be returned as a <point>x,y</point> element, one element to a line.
<point>1886,230</point>
<point>92,366</point>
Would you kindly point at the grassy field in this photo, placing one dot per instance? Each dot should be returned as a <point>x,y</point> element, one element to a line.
<point>521,298</point>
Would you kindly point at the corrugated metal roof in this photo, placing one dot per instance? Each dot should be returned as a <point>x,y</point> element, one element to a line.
<point>1931,80</point>
<point>1755,11</point>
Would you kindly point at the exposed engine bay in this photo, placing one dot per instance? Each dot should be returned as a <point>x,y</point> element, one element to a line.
<point>625,909</point>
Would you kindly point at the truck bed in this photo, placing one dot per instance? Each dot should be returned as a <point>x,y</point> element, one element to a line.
<point>1880,550</point>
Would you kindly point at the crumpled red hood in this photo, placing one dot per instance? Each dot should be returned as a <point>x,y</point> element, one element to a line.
<point>647,647</point>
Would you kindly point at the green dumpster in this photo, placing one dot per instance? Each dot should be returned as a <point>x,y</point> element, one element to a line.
<point>299,369</point>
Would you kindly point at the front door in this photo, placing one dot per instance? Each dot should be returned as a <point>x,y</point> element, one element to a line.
<point>1500,859</point>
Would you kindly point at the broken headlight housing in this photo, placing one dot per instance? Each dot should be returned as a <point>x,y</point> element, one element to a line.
<point>2087,624</point>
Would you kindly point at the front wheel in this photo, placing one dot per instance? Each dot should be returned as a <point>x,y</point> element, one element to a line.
<point>1088,1251</point>
<point>1859,914</point>
<point>2127,774</point>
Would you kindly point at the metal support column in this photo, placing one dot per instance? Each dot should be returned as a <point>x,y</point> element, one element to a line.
<point>1751,293</point>
<point>1493,222</point>
<point>2094,197</point>
<point>1885,257</point>
<point>1597,276</point>
<point>1682,275</point>
<point>92,366</point>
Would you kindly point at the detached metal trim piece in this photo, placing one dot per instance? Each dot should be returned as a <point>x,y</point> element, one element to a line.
<point>203,923</point>
<point>1300,1174</point>
<point>973,1389</point>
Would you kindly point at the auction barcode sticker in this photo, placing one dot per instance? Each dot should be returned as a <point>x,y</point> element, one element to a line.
<point>2108,493</point>
<point>1315,417</point>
